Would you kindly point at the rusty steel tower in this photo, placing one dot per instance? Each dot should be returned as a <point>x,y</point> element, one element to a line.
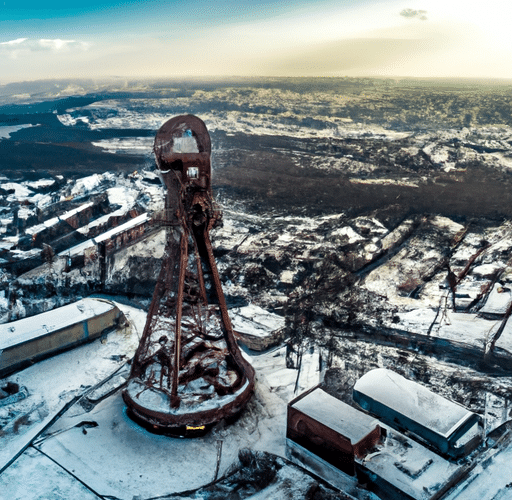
<point>188,372</point>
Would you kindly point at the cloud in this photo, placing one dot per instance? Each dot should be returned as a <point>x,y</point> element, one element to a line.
<point>20,47</point>
<point>412,13</point>
<point>57,44</point>
<point>12,43</point>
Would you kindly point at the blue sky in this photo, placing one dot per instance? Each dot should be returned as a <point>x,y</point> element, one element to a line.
<point>97,16</point>
<point>281,38</point>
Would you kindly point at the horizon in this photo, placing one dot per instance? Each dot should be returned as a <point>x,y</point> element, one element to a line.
<point>220,79</point>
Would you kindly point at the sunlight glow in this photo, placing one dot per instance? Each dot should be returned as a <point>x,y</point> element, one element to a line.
<point>311,38</point>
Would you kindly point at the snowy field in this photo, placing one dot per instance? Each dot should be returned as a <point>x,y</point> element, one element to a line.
<point>71,437</point>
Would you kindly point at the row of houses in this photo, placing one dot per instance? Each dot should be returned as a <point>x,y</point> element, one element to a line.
<point>53,231</point>
<point>108,242</point>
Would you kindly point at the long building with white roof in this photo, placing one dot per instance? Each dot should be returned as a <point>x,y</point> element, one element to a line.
<point>407,405</point>
<point>31,339</point>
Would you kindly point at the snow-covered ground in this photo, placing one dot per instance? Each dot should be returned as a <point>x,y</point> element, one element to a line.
<point>6,131</point>
<point>376,286</point>
<point>93,449</point>
<point>54,383</point>
<point>94,445</point>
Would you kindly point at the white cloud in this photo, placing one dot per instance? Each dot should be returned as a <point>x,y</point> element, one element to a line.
<point>14,42</point>
<point>21,47</point>
<point>58,44</point>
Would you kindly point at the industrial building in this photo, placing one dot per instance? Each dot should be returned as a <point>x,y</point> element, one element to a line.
<point>347,448</point>
<point>331,429</point>
<point>257,328</point>
<point>31,339</point>
<point>405,405</point>
<point>109,241</point>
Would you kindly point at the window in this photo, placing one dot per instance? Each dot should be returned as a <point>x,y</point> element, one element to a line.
<point>193,173</point>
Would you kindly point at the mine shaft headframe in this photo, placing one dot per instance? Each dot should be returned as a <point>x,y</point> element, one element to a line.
<point>183,145</point>
<point>188,372</point>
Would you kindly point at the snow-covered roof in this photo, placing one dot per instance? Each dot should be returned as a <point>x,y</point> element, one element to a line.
<point>413,401</point>
<point>254,320</point>
<point>123,227</point>
<point>336,415</point>
<point>498,301</point>
<point>410,467</point>
<point>103,219</point>
<point>79,249</point>
<point>43,226</point>
<point>27,329</point>
<point>76,210</point>
<point>55,220</point>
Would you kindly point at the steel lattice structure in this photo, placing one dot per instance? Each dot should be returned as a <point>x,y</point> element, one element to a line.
<point>188,372</point>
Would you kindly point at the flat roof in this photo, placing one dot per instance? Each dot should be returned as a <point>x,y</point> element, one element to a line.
<point>413,400</point>
<point>123,227</point>
<point>79,249</point>
<point>337,415</point>
<point>27,329</point>
<point>410,467</point>
<point>81,208</point>
<point>255,321</point>
<point>498,301</point>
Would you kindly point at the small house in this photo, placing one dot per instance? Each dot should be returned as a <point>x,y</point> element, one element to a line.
<point>331,429</point>
<point>257,328</point>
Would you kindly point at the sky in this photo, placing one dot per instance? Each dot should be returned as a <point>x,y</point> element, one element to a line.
<point>169,38</point>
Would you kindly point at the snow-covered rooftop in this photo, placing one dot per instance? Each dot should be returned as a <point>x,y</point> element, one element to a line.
<point>123,227</point>
<point>498,301</point>
<point>79,249</point>
<point>460,329</point>
<point>413,401</point>
<point>336,415</point>
<point>410,467</point>
<point>27,329</point>
<point>55,220</point>
<point>254,320</point>
<point>76,210</point>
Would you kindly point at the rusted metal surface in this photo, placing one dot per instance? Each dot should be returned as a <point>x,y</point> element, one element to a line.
<point>187,371</point>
